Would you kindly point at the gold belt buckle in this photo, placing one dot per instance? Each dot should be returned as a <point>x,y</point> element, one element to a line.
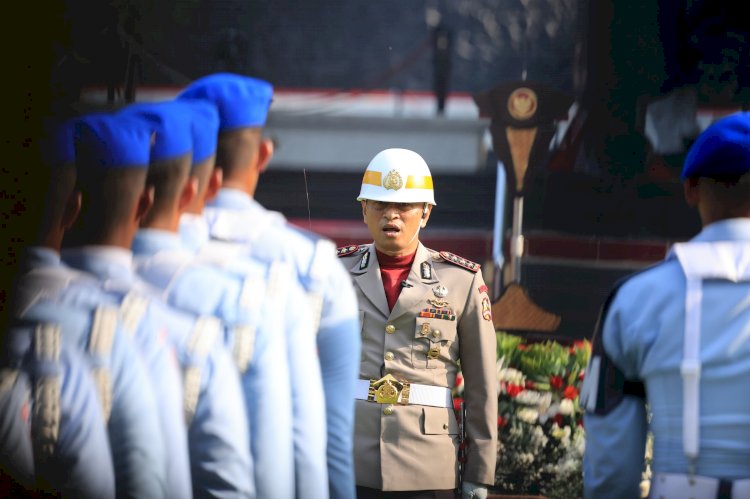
<point>388,390</point>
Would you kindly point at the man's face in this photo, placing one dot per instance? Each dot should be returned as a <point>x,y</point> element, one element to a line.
<point>394,226</point>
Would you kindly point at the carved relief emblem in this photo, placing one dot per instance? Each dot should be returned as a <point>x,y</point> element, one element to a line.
<point>522,103</point>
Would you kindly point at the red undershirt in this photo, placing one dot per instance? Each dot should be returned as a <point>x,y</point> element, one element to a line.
<point>394,270</point>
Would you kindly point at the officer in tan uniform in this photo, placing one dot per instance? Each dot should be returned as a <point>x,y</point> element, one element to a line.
<point>422,311</point>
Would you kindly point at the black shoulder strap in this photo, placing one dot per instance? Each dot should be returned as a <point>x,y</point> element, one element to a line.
<point>608,385</point>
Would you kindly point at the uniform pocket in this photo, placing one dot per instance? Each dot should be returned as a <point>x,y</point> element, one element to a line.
<point>433,338</point>
<point>438,421</point>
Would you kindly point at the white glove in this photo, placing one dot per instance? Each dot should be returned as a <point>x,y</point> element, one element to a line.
<point>470,490</point>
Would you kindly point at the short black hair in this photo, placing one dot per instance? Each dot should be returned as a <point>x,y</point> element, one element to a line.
<point>236,148</point>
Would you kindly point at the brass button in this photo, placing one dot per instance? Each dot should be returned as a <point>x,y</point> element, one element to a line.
<point>445,426</point>
<point>424,329</point>
<point>433,353</point>
<point>388,410</point>
<point>390,329</point>
<point>436,333</point>
<point>389,356</point>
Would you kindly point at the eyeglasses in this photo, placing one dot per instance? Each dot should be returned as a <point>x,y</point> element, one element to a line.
<point>400,207</point>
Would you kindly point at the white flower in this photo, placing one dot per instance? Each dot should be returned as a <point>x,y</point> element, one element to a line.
<point>511,375</point>
<point>579,440</point>
<point>528,397</point>
<point>566,407</point>
<point>539,437</point>
<point>527,415</point>
<point>545,400</point>
<point>562,434</point>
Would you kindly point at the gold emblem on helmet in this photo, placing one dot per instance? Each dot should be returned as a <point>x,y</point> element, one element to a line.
<point>393,181</point>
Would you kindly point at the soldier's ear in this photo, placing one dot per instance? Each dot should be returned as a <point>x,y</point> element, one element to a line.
<point>188,193</point>
<point>72,210</point>
<point>214,183</point>
<point>145,201</point>
<point>364,209</point>
<point>265,153</point>
<point>426,212</point>
<point>691,190</point>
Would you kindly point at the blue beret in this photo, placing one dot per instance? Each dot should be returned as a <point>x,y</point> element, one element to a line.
<point>205,128</point>
<point>242,101</point>
<point>171,122</point>
<point>723,149</point>
<point>113,141</point>
<point>57,146</point>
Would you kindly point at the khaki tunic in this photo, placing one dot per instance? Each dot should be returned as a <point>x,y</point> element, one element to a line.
<point>415,447</point>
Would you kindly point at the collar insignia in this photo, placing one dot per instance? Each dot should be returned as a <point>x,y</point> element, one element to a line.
<point>426,271</point>
<point>365,260</point>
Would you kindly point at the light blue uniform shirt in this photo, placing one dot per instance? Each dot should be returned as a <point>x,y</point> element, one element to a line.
<point>267,309</point>
<point>643,336</point>
<point>150,328</point>
<point>329,286</point>
<point>80,464</point>
<point>49,291</point>
<point>16,453</point>
<point>219,435</point>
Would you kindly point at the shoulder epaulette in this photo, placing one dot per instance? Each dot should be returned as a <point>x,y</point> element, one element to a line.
<point>460,261</point>
<point>347,250</point>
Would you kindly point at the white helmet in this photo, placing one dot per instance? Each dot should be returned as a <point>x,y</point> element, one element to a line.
<point>397,176</point>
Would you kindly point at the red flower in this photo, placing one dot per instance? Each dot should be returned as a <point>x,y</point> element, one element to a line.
<point>457,403</point>
<point>570,392</point>
<point>558,418</point>
<point>500,422</point>
<point>522,347</point>
<point>556,382</point>
<point>581,375</point>
<point>530,385</point>
<point>514,390</point>
<point>459,380</point>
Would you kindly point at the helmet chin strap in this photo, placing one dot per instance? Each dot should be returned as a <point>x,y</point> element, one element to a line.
<point>419,227</point>
<point>416,233</point>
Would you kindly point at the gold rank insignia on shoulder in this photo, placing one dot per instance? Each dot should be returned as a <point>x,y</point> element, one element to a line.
<point>460,261</point>
<point>347,250</point>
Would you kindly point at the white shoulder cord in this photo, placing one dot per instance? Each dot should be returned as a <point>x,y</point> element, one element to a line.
<point>699,261</point>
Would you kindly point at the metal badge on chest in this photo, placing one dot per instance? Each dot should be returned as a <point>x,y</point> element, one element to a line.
<point>441,306</point>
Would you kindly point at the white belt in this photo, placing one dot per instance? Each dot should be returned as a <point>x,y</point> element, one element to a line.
<point>678,486</point>
<point>388,390</point>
